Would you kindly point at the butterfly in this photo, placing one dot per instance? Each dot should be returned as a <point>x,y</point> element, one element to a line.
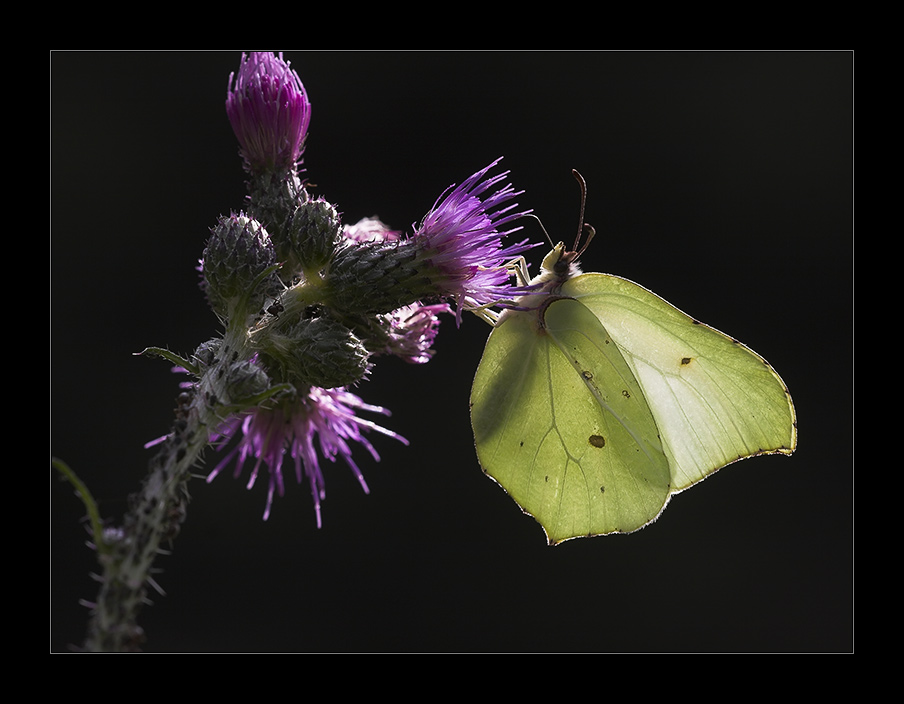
<point>596,400</point>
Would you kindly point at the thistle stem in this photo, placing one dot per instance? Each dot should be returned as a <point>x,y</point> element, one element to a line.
<point>155,516</point>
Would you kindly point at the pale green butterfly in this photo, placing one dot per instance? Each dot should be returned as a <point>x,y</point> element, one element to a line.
<point>597,401</point>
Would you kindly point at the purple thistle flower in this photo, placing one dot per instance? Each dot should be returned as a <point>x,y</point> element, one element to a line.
<point>269,111</point>
<point>455,254</point>
<point>461,237</point>
<point>369,230</point>
<point>412,330</point>
<point>326,416</point>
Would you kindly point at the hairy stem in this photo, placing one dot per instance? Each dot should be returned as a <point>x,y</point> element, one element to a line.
<point>157,511</point>
<point>155,516</point>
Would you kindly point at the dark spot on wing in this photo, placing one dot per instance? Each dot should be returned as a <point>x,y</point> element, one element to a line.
<point>597,440</point>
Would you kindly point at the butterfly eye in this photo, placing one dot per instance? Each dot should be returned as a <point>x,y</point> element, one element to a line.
<point>562,266</point>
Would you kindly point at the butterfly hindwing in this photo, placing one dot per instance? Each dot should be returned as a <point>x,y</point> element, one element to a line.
<point>562,424</point>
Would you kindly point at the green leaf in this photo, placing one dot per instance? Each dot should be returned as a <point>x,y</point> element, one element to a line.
<point>172,357</point>
<point>97,528</point>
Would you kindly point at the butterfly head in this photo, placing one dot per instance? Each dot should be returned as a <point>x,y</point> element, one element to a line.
<point>561,264</point>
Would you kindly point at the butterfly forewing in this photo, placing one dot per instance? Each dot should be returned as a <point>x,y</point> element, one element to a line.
<point>562,424</point>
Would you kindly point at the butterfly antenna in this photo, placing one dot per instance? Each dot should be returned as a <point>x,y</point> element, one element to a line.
<point>540,222</point>
<point>591,231</point>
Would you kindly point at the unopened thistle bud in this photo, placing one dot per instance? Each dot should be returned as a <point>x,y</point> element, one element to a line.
<point>310,236</point>
<point>317,351</point>
<point>234,266</point>
<point>206,353</point>
<point>269,111</point>
<point>244,380</point>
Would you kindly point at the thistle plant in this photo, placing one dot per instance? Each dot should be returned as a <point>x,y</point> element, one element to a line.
<point>307,305</point>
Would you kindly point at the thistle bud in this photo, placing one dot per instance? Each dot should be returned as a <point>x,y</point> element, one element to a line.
<point>310,236</point>
<point>244,380</point>
<point>206,353</point>
<point>317,351</point>
<point>269,111</point>
<point>234,263</point>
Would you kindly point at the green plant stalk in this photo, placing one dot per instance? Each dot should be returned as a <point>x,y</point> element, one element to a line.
<point>157,511</point>
<point>155,515</point>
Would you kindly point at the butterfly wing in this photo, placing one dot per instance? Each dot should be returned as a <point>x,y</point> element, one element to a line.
<point>561,423</point>
<point>714,400</point>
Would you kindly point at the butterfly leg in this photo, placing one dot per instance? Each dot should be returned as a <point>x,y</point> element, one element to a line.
<point>485,314</point>
<point>518,268</point>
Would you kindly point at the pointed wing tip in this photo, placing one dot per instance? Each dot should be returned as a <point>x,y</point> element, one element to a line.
<point>552,542</point>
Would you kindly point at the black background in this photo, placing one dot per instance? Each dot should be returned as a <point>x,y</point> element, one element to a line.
<point>720,180</point>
